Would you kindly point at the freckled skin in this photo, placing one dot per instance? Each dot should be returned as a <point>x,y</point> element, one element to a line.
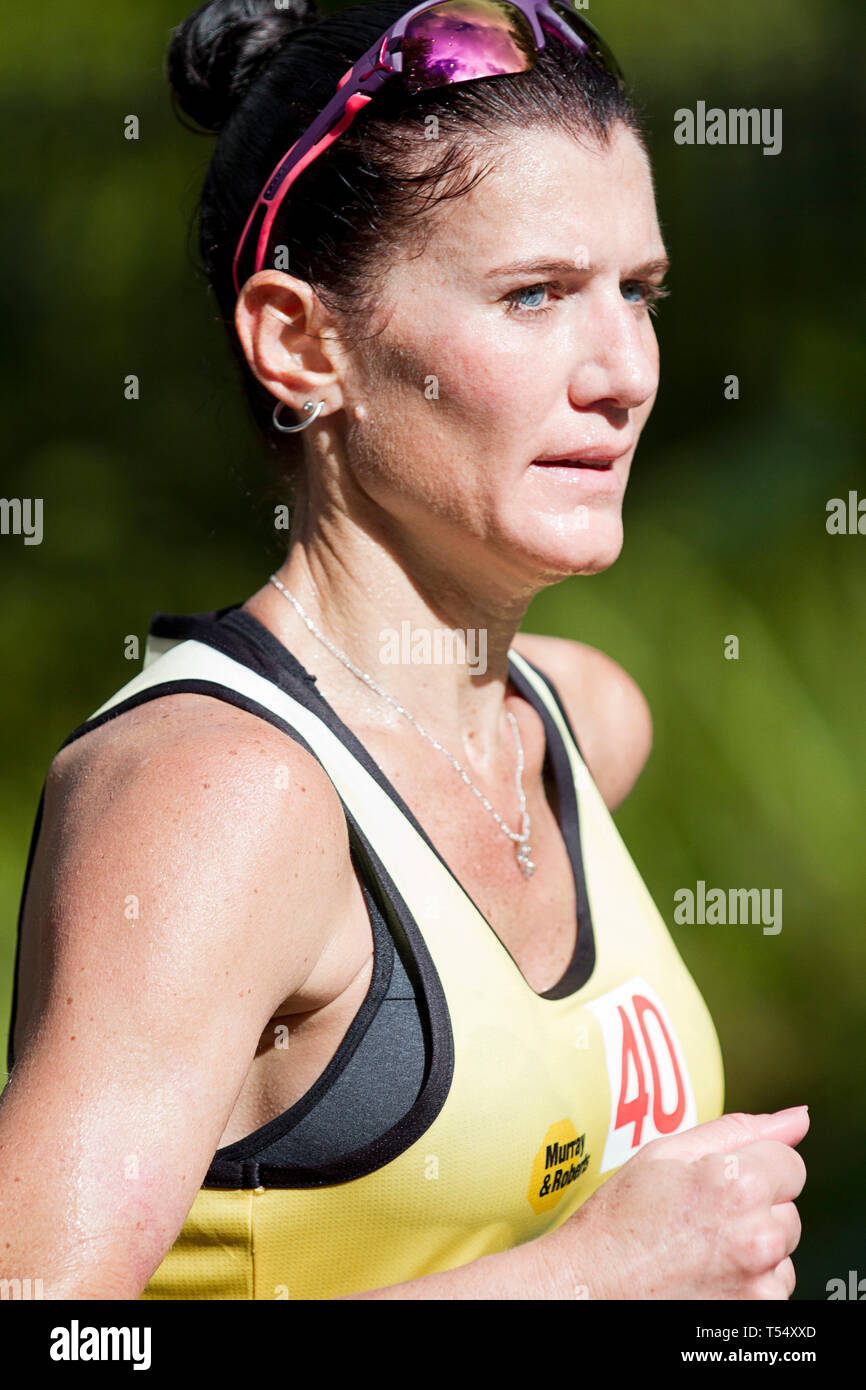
<point>418,508</point>
<point>511,390</point>
<point>424,506</point>
<point>430,509</point>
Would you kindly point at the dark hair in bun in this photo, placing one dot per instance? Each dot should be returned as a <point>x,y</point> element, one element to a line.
<point>258,75</point>
<point>216,53</point>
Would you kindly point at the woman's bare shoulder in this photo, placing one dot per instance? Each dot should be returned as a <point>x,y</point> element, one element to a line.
<point>190,877</point>
<point>205,815</point>
<point>606,707</point>
<point>169,736</point>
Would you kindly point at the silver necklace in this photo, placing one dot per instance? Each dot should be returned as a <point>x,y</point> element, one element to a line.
<point>524,851</point>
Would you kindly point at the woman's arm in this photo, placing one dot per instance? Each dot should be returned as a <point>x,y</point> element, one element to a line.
<point>179,896</point>
<point>706,1214</point>
<point>527,1271</point>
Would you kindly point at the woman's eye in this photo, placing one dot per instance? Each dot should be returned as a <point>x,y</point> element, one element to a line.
<point>528,301</point>
<point>646,293</point>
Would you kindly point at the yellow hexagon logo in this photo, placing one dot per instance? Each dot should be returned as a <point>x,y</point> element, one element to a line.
<point>558,1163</point>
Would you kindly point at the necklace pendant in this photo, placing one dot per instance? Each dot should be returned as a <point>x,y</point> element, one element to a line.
<point>523,859</point>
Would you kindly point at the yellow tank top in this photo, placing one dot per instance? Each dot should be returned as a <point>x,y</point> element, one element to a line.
<point>528,1102</point>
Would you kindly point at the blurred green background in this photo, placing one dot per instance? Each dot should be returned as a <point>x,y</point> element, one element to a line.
<point>758,771</point>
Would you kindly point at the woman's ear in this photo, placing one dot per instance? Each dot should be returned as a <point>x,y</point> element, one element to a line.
<point>288,339</point>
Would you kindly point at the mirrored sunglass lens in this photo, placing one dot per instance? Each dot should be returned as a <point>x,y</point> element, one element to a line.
<point>596,48</point>
<point>463,39</point>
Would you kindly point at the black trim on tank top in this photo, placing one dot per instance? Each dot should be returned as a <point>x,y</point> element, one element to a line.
<point>226,1171</point>
<point>383,965</point>
<point>272,652</point>
<point>236,1165</point>
<point>582,962</point>
<point>34,838</point>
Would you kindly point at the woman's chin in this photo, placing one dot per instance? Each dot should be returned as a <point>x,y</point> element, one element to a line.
<point>565,544</point>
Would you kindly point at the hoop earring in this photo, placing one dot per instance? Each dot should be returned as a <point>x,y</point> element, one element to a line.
<point>291,429</point>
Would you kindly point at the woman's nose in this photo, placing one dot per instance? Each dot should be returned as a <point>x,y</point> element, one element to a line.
<point>617,359</point>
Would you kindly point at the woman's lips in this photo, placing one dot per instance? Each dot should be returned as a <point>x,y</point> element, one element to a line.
<point>573,463</point>
<point>572,472</point>
<point>593,458</point>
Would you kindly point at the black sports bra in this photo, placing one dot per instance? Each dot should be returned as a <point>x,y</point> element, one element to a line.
<point>380,1066</point>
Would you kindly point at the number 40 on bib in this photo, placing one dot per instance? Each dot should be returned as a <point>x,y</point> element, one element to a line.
<point>651,1092</point>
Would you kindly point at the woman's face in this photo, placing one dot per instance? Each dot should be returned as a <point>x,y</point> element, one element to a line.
<point>521,331</point>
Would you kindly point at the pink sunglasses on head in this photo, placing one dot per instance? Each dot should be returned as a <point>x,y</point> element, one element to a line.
<point>432,45</point>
